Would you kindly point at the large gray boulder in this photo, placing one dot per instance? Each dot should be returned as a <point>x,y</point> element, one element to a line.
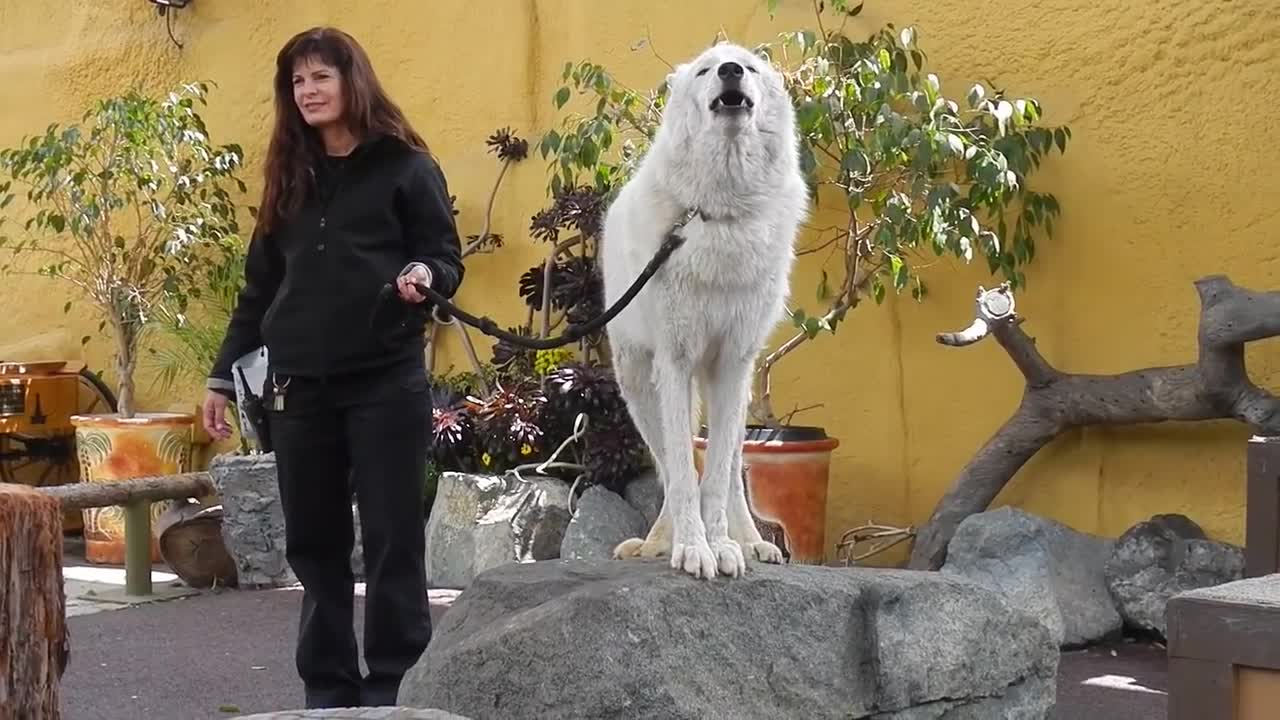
<point>635,639</point>
<point>603,519</point>
<point>1042,566</point>
<point>253,521</point>
<point>478,522</point>
<point>1162,557</point>
<point>645,494</point>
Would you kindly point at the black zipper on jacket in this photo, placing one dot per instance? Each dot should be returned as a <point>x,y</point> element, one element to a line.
<point>334,177</point>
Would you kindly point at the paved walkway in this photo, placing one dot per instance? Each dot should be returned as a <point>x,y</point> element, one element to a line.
<point>358,714</point>
<point>228,654</point>
<point>187,655</point>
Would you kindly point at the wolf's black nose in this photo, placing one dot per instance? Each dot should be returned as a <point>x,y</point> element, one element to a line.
<point>729,70</point>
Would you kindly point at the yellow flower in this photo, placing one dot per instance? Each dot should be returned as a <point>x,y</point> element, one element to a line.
<point>546,361</point>
<point>486,459</point>
<point>525,449</point>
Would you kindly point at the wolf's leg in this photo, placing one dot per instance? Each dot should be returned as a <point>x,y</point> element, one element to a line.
<point>674,384</point>
<point>727,382</point>
<point>633,368</point>
<point>742,527</point>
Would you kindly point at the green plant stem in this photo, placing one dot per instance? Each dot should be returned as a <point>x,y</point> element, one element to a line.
<point>547,279</point>
<point>483,237</point>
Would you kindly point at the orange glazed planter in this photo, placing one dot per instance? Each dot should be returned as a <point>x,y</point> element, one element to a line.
<point>787,470</point>
<point>111,449</point>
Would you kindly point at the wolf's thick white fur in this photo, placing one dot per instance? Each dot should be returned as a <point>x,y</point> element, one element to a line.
<point>697,327</point>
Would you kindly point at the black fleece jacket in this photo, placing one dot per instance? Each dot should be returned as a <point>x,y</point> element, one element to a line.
<point>311,284</point>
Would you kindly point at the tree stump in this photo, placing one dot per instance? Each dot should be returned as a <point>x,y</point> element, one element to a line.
<point>33,628</point>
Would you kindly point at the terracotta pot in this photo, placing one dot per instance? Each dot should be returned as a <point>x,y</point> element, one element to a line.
<point>787,472</point>
<point>111,449</point>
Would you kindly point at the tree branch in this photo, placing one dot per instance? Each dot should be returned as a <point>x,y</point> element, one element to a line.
<point>1216,387</point>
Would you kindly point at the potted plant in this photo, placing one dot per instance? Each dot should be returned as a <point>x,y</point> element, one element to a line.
<point>130,207</point>
<point>901,173</point>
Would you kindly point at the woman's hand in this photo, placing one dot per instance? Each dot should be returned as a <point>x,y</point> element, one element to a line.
<point>215,415</point>
<point>418,273</point>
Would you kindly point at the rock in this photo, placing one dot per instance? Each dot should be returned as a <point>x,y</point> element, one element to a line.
<point>1161,557</point>
<point>355,713</point>
<point>636,639</point>
<point>645,494</point>
<point>478,522</point>
<point>602,521</point>
<point>253,521</point>
<point>1046,568</point>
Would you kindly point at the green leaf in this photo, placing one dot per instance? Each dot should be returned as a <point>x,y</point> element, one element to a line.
<point>562,97</point>
<point>855,161</point>
<point>975,96</point>
<point>824,289</point>
<point>812,326</point>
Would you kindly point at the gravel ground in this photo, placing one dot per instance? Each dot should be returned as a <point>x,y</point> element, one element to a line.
<point>221,655</point>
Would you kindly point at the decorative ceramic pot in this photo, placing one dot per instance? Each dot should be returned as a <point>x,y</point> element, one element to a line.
<point>112,449</point>
<point>787,472</point>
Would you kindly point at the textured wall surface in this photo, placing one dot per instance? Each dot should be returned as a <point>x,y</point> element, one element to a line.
<point>1171,176</point>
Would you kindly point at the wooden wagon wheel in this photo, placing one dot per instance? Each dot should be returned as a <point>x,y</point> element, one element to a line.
<point>43,461</point>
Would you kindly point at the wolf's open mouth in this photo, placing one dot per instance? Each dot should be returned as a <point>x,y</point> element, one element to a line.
<point>734,99</point>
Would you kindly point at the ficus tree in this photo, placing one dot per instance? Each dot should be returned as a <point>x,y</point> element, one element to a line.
<point>132,206</point>
<point>901,171</point>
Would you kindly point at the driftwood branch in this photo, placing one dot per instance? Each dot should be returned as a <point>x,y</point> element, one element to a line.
<point>1216,386</point>
<point>78,496</point>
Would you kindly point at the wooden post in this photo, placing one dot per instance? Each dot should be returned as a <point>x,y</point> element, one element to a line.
<point>33,630</point>
<point>135,496</point>
<point>1262,507</point>
<point>137,548</point>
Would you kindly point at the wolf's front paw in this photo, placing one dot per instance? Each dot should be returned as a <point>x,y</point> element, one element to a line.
<point>764,551</point>
<point>729,557</point>
<point>694,558</point>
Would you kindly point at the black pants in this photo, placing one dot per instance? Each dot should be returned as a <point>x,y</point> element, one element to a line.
<point>368,433</point>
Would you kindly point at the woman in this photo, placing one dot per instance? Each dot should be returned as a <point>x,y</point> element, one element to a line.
<point>352,200</point>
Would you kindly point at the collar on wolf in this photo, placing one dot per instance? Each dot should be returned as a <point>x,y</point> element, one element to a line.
<point>695,212</point>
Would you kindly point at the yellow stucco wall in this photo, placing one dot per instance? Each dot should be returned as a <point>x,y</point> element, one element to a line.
<point>1172,174</point>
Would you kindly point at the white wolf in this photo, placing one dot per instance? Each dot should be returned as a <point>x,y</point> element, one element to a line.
<point>726,150</point>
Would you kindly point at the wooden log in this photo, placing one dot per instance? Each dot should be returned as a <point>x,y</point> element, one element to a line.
<point>191,544</point>
<point>1216,386</point>
<point>129,492</point>
<point>33,628</point>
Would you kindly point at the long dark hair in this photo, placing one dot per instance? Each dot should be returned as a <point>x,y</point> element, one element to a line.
<point>295,146</point>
